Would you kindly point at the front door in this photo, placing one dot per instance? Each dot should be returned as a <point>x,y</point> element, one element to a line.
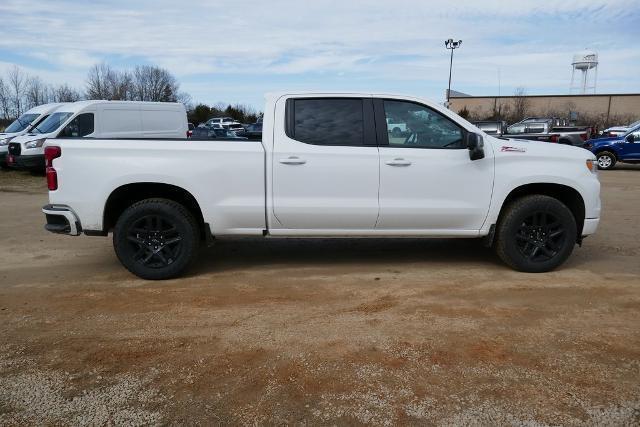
<point>427,181</point>
<point>325,165</point>
<point>631,149</point>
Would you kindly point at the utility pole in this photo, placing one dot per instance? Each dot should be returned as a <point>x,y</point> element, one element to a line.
<point>451,45</point>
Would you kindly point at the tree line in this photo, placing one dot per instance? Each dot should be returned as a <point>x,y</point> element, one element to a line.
<point>20,91</point>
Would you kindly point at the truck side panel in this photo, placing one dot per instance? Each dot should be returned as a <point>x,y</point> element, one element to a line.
<point>225,177</point>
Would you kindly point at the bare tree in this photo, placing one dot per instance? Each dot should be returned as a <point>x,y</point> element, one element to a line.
<point>5,100</point>
<point>17,80</point>
<point>103,82</point>
<point>36,92</point>
<point>151,83</point>
<point>64,93</point>
<point>521,103</point>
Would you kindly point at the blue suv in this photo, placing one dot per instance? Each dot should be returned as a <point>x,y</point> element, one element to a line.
<point>624,148</point>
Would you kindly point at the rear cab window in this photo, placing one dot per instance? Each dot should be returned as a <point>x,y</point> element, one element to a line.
<point>330,121</point>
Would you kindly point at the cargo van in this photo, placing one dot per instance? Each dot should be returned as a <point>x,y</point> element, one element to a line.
<point>24,124</point>
<point>99,119</point>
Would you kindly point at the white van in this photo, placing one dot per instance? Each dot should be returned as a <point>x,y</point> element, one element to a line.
<point>99,119</point>
<point>24,124</point>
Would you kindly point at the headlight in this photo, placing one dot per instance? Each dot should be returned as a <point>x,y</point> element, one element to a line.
<point>6,141</point>
<point>35,144</point>
<point>592,165</point>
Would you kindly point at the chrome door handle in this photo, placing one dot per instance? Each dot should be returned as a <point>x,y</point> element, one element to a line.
<point>293,160</point>
<point>398,162</point>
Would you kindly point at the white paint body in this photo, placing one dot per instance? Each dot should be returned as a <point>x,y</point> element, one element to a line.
<point>118,119</point>
<point>282,187</point>
<point>39,113</point>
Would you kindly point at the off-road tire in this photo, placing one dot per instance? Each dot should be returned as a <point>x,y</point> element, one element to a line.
<point>156,239</point>
<point>519,233</point>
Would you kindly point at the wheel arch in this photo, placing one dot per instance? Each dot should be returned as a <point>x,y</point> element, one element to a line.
<point>608,149</point>
<point>124,196</point>
<point>569,196</point>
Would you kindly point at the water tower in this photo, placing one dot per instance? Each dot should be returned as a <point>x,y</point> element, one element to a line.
<point>586,63</point>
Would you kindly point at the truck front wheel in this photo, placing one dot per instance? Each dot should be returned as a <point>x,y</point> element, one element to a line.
<point>156,239</point>
<point>536,234</point>
<point>606,160</point>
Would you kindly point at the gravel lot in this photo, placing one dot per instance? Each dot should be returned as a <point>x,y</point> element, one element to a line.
<point>319,331</point>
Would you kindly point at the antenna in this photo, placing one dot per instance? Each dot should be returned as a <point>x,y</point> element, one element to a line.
<point>585,63</point>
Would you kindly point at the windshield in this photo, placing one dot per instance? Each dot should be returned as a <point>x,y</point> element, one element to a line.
<point>21,123</point>
<point>52,123</point>
<point>634,124</point>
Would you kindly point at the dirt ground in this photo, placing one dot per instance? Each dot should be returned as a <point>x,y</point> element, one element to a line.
<point>314,332</point>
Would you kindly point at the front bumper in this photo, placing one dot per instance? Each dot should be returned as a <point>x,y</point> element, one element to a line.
<point>33,162</point>
<point>3,157</point>
<point>61,220</point>
<point>590,226</point>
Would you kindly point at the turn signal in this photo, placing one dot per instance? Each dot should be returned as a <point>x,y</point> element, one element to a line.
<point>592,165</point>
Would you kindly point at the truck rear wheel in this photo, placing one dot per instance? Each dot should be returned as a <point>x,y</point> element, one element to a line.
<point>536,234</point>
<point>156,239</point>
<point>606,160</point>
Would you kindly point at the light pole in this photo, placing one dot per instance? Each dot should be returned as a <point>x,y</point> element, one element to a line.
<point>451,45</point>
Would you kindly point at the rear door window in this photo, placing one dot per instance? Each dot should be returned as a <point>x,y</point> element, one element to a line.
<point>326,121</point>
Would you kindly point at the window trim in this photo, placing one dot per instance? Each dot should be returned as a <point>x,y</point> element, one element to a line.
<point>383,134</point>
<point>368,123</point>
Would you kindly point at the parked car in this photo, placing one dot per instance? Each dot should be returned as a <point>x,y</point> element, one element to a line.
<point>24,124</point>
<point>214,133</point>
<point>396,127</point>
<point>609,151</point>
<point>549,130</point>
<point>326,167</point>
<point>619,130</point>
<point>492,127</point>
<point>226,123</point>
<point>99,119</point>
<point>254,131</point>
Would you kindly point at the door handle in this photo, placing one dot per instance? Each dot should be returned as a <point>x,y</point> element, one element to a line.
<point>398,162</point>
<point>293,160</point>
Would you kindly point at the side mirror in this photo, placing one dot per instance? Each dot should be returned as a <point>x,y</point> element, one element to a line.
<point>630,138</point>
<point>475,144</point>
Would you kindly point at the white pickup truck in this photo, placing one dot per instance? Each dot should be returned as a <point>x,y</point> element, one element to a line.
<point>326,166</point>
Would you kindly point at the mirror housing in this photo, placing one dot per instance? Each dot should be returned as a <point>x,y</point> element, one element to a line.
<point>630,138</point>
<point>475,145</point>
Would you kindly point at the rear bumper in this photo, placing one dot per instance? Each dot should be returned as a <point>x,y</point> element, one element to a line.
<point>35,161</point>
<point>590,226</point>
<point>61,220</point>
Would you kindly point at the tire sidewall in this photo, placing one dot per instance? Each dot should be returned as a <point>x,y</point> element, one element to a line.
<point>521,211</point>
<point>606,154</point>
<point>170,213</point>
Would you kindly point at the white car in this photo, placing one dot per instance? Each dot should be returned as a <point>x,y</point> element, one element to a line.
<point>99,119</point>
<point>326,168</point>
<point>23,124</point>
<point>619,130</point>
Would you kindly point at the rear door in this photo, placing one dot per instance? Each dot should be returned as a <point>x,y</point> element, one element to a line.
<point>427,181</point>
<point>325,165</point>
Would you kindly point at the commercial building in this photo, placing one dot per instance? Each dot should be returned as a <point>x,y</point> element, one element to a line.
<point>603,109</point>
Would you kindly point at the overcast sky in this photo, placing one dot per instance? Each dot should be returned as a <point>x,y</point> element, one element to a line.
<point>234,51</point>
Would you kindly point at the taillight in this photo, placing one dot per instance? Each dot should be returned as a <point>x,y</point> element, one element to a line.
<point>553,138</point>
<point>51,153</point>
<point>189,133</point>
<point>584,136</point>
